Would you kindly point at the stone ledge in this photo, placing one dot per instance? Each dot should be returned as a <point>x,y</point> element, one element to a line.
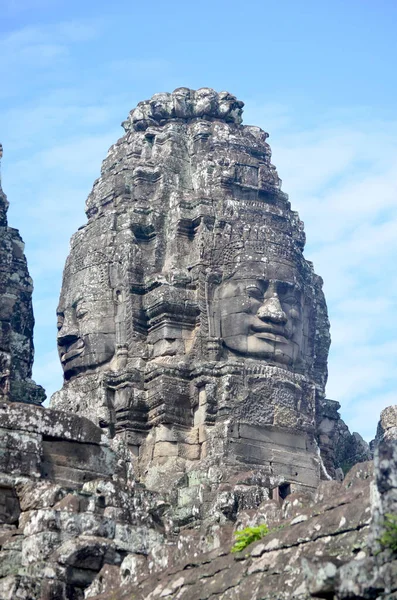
<point>50,423</point>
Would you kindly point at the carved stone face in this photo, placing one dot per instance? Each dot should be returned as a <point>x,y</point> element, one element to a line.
<point>260,313</point>
<point>205,102</point>
<point>86,322</point>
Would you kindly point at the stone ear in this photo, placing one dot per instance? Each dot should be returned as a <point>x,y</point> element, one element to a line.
<point>212,284</point>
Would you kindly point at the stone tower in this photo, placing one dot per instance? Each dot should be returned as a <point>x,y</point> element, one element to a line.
<point>190,324</point>
<point>16,316</point>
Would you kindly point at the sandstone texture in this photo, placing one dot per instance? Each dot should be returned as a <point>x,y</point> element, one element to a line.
<point>193,336</point>
<point>190,324</point>
<point>67,505</point>
<point>309,543</point>
<point>324,548</point>
<point>16,316</point>
<point>89,535</point>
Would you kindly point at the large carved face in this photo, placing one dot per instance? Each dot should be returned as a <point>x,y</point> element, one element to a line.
<point>261,313</point>
<point>86,321</point>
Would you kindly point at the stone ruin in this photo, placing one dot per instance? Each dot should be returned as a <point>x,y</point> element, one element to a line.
<point>193,336</point>
<point>16,316</point>
<point>190,323</point>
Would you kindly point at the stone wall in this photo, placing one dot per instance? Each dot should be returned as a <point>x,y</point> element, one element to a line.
<point>340,449</point>
<point>76,523</point>
<point>324,547</point>
<point>387,426</point>
<point>67,506</point>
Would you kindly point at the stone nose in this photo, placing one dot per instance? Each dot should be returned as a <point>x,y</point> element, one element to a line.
<point>68,333</point>
<point>271,310</point>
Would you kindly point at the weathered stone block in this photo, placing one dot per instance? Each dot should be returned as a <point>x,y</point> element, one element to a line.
<point>20,452</point>
<point>9,505</point>
<point>202,433</point>
<point>167,449</point>
<point>165,433</point>
<point>50,423</point>
<point>278,437</point>
<point>80,455</point>
<point>189,451</point>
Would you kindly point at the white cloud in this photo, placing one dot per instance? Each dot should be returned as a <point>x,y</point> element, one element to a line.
<point>77,156</point>
<point>60,177</point>
<point>43,54</point>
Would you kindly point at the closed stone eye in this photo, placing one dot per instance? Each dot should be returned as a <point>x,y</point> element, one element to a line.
<point>254,292</point>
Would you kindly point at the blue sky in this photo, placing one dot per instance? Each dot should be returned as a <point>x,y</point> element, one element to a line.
<point>318,76</point>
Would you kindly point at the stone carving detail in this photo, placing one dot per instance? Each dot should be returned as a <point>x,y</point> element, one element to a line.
<point>16,316</point>
<point>86,315</point>
<point>194,336</point>
<point>189,282</point>
<point>258,312</point>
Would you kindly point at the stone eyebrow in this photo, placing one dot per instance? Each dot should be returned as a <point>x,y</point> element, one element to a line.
<point>79,301</point>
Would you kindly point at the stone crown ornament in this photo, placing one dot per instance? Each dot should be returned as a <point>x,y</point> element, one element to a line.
<point>186,105</point>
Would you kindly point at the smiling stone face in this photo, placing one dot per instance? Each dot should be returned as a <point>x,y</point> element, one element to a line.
<point>261,313</point>
<point>187,299</point>
<point>86,323</point>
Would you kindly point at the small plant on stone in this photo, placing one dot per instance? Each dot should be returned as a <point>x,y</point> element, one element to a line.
<point>389,537</point>
<point>245,537</point>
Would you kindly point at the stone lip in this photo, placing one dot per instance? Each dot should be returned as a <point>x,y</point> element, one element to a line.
<point>186,104</point>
